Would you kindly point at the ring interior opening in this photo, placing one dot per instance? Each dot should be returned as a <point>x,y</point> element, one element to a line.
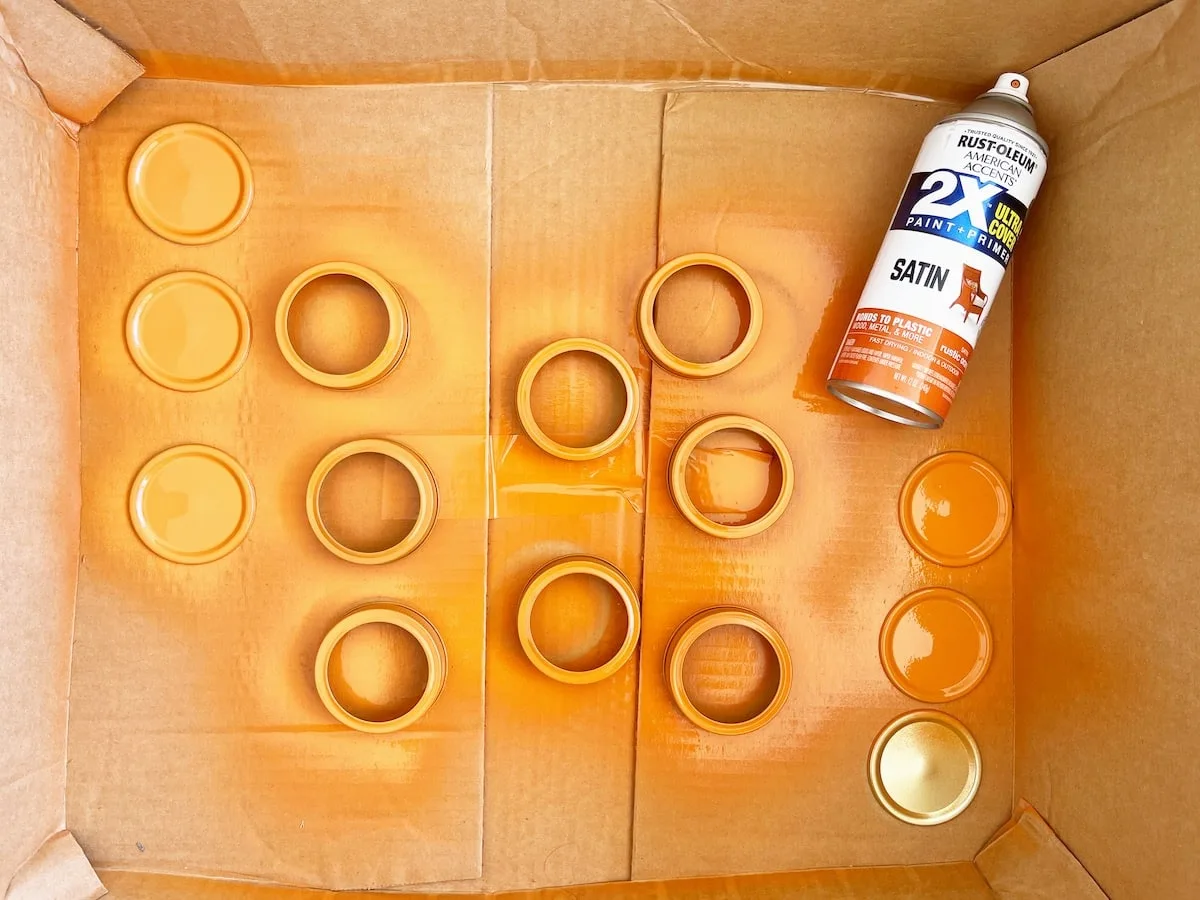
<point>733,477</point>
<point>578,622</point>
<point>378,672</point>
<point>701,314</point>
<point>731,674</point>
<point>369,502</point>
<point>338,324</point>
<point>578,399</point>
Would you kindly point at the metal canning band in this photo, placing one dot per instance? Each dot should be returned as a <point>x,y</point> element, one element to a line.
<point>685,637</point>
<point>388,613</point>
<point>633,399</point>
<point>686,446</point>
<point>579,565</point>
<point>426,487</point>
<point>394,344</point>
<point>654,344</point>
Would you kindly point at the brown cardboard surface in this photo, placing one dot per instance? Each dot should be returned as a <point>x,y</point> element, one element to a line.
<point>574,218</point>
<point>77,70</point>
<point>1105,498</point>
<point>58,871</point>
<point>1026,861</point>
<point>938,49</point>
<point>39,447</point>
<point>798,189</point>
<point>956,881</point>
<point>198,741</point>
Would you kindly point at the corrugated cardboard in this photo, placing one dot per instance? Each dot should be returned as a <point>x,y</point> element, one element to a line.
<point>1107,480</point>
<point>77,70</point>
<point>197,739</point>
<point>510,216</point>
<point>1026,861</point>
<point>939,49</point>
<point>39,444</point>
<point>958,881</point>
<point>776,181</point>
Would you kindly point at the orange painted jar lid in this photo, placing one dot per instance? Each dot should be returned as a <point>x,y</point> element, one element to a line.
<point>925,768</point>
<point>935,645</point>
<point>192,504</point>
<point>386,613</point>
<point>955,509</point>
<point>188,331</point>
<point>190,183</point>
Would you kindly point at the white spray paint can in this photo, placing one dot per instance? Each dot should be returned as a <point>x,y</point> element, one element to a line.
<point>941,263</point>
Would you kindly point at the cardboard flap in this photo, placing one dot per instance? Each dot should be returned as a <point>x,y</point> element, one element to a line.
<point>58,871</point>
<point>953,881</point>
<point>1027,861</point>
<point>905,46</point>
<point>1105,446</point>
<point>78,69</point>
<point>39,458</point>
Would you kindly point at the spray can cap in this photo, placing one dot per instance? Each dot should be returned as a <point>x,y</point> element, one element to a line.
<point>1012,84</point>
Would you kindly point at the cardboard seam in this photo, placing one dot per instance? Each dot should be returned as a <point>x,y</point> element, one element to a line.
<point>70,128</point>
<point>1100,34</point>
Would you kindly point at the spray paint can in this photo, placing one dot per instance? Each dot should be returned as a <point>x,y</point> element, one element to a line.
<point>941,263</point>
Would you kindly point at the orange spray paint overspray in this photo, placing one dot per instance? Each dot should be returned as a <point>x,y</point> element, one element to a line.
<point>939,269</point>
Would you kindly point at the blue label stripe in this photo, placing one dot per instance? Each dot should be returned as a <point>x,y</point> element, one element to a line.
<point>950,198</point>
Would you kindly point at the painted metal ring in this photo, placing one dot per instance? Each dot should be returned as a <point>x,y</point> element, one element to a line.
<point>633,399</point>
<point>658,350</point>
<point>677,475</point>
<point>579,565</point>
<point>393,346</point>
<point>703,622</point>
<point>426,513</point>
<point>414,623</point>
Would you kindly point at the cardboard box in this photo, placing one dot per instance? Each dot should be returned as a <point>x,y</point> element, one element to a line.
<point>519,170</point>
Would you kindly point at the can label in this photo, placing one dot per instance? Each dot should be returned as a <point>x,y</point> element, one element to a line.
<point>941,263</point>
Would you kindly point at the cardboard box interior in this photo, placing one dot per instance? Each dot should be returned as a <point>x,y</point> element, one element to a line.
<point>193,753</point>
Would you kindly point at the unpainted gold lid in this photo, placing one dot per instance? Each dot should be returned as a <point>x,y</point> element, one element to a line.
<point>925,768</point>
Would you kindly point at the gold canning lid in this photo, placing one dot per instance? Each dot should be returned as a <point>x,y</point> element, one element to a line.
<point>389,614</point>
<point>677,475</point>
<point>579,565</point>
<point>192,504</point>
<point>393,346</point>
<point>188,331</point>
<point>925,768</point>
<point>190,183</point>
<point>955,509</point>
<point>426,488</point>
<point>658,350</point>
<point>633,398</point>
<point>686,636</point>
<point>935,645</point>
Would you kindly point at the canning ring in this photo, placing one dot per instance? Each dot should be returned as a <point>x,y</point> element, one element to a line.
<point>426,512</point>
<point>677,364</point>
<point>393,346</point>
<point>525,398</point>
<point>389,614</point>
<point>677,475</point>
<point>701,623</point>
<point>579,565</point>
